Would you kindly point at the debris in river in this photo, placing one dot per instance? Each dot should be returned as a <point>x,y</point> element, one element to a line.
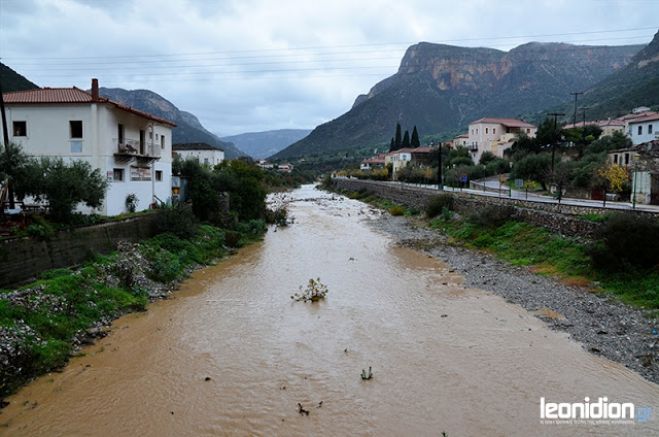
<point>301,410</point>
<point>315,291</point>
<point>208,378</point>
<point>320,404</point>
<point>367,375</point>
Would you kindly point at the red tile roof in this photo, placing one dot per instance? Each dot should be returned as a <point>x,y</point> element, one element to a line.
<point>508,122</point>
<point>645,117</point>
<point>68,96</point>
<point>413,150</point>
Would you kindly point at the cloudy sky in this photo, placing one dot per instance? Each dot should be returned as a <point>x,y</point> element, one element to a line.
<point>252,65</point>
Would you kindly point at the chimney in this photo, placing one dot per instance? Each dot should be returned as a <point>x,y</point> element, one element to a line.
<point>94,89</point>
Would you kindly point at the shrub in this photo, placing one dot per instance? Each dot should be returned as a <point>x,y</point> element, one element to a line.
<point>232,238</point>
<point>131,202</point>
<point>40,229</point>
<point>277,217</point>
<point>627,241</point>
<point>396,210</point>
<point>178,220</point>
<point>436,205</point>
<point>491,216</point>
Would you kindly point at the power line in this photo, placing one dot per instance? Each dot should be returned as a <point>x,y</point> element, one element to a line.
<point>490,38</point>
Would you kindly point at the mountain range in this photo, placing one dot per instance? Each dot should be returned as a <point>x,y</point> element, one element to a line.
<point>260,145</point>
<point>441,88</point>
<point>637,84</point>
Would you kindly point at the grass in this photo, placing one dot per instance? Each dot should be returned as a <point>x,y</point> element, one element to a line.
<point>71,301</point>
<point>523,244</point>
<point>393,208</point>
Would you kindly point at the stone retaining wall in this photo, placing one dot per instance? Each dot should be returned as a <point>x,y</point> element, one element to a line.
<point>563,219</point>
<point>21,259</point>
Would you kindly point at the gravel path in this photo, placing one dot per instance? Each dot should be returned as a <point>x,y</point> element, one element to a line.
<point>602,324</point>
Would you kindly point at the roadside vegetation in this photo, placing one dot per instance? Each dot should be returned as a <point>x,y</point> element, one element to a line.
<point>619,261</point>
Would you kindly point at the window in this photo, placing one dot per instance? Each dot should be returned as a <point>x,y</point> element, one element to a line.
<point>162,141</point>
<point>494,130</point>
<point>20,128</point>
<point>159,175</point>
<point>75,128</point>
<point>626,158</point>
<point>205,161</point>
<point>640,130</point>
<point>487,130</point>
<point>120,133</point>
<point>150,135</point>
<point>142,142</point>
<point>528,131</point>
<point>649,128</point>
<point>118,174</point>
<point>615,159</point>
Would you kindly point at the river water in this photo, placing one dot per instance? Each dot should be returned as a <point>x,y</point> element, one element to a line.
<point>444,358</point>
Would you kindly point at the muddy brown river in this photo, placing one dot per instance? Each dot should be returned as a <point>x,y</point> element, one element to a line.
<point>444,358</point>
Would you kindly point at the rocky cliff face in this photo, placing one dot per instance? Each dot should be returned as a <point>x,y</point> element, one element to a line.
<point>441,88</point>
<point>637,84</point>
<point>188,128</point>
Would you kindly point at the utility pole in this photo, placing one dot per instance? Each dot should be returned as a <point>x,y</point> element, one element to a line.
<point>553,144</point>
<point>439,168</point>
<point>576,95</point>
<point>583,115</point>
<point>5,137</point>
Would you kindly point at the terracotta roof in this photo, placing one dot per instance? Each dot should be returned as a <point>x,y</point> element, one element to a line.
<point>629,117</point>
<point>68,96</point>
<point>644,118</point>
<point>413,150</point>
<point>194,146</point>
<point>508,122</point>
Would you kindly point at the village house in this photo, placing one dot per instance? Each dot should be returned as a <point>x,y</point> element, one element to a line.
<point>204,153</point>
<point>377,161</point>
<point>131,148</point>
<point>642,161</point>
<point>644,128</point>
<point>608,126</point>
<point>459,141</point>
<point>495,135</point>
<point>419,156</point>
<point>285,168</point>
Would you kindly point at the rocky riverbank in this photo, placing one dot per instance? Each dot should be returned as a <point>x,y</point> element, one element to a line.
<point>602,324</point>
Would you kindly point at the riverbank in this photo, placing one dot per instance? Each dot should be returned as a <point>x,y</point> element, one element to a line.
<point>604,325</point>
<point>44,323</point>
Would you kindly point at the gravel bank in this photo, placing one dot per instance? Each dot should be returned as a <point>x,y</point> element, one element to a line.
<point>601,324</point>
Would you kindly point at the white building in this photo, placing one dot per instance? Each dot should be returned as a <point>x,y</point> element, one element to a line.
<point>130,147</point>
<point>643,129</point>
<point>495,135</point>
<point>202,152</point>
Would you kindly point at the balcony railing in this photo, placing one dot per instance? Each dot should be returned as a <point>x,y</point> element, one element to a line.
<point>130,147</point>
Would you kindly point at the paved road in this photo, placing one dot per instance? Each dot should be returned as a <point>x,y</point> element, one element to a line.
<point>531,197</point>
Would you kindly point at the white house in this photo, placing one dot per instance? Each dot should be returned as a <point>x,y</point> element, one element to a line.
<point>202,152</point>
<point>407,156</point>
<point>643,129</point>
<point>130,147</point>
<point>495,135</point>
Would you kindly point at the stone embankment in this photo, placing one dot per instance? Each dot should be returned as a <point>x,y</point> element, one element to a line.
<point>563,219</point>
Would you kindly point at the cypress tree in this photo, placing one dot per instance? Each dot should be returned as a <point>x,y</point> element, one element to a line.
<point>414,142</point>
<point>392,145</point>
<point>406,139</point>
<point>397,141</point>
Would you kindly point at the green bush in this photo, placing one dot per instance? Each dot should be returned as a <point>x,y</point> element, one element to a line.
<point>436,205</point>
<point>396,210</point>
<point>165,266</point>
<point>491,216</point>
<point>40,229</point>
<point>627,241</point>
<point>177,220</point>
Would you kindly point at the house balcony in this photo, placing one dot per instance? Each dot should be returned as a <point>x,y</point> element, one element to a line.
<point>129,149</point>
<point>472,147</point>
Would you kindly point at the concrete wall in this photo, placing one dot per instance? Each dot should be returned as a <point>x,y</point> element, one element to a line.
<point>563,219</point>
<point>21,259</point>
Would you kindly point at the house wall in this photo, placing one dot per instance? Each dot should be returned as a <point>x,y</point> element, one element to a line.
<point>48,135</point>
<point>642,186</point>
<point>645,128</point>
<point>209,157</point>
<point>485,136</point>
